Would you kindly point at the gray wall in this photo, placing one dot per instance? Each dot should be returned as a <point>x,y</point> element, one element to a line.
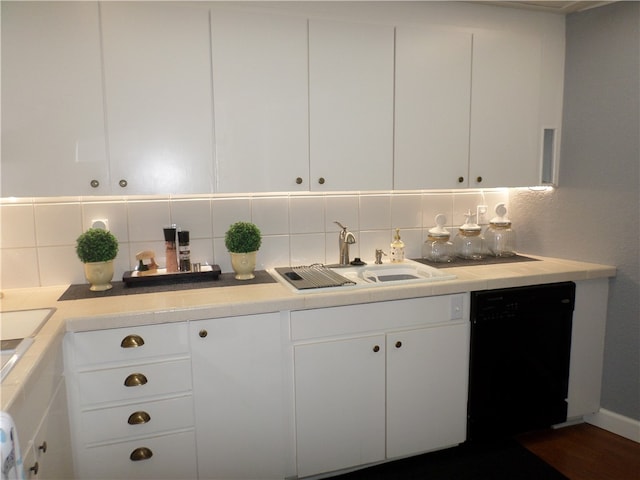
<point>594,215</point>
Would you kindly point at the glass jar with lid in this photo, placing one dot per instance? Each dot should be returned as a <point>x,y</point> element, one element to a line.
<point>500,237</point>
<point>469,243</point>
<point>437,247</point>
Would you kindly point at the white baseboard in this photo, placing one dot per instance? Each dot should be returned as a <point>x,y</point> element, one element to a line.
<point>616,423</point>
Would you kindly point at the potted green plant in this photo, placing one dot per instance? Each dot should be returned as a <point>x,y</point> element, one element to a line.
<point>97,248</point>
<point>243,239</point>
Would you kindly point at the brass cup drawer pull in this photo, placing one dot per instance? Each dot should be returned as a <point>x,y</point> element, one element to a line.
<point>141,453</point>
<point>138,418</point>
<point>132,341</point>
<point>135,380</point>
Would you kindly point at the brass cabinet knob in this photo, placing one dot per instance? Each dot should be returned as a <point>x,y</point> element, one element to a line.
<point>299,180</point>
<point>141,453</point>
<point>135,380</point>
<point>203,333</point>
<point>376,348</point>
<point>138,418</point>
<point>35,468</point>
<point>460,179</point>
<point>94,183</point>
<point>123,183</point>
<point>398,344</point>
<point>43,447</point>
<point>479,179</point>
<point>321,180</point>
<point>132,341</point>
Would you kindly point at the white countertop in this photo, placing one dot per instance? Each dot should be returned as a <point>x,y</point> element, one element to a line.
<point>212,302</point>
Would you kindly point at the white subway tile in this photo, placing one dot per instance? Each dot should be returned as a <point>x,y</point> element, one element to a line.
<point>344,209</point>
<point>18,226</point>
<point>226,211</point>
<point>274,252</point>
<point>147,220</point>
<point>375,212</point>
<point>59,266</point>
<point>307,214</point>
<point>271,215</point>
<point>307,249</point>
<point>194,216</point>
<point>115,212</point>
<point>19,267</point>
<point>57,224</point>
<point>406,211</point>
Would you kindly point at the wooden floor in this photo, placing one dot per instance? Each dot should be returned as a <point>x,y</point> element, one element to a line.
<point>585,452</point>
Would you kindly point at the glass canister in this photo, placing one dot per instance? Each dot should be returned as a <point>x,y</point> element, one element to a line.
<point>500,237</point>
<point>469,243</point>
<point>437,247</point>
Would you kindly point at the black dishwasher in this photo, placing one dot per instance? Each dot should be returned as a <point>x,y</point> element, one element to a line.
<point>519,359</point>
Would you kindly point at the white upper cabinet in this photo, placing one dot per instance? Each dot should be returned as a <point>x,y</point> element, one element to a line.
<point>350,105</point>
<point>432,95</point>
<point>506,134</point>
<point>52,112</point>
<point>157,68</point>
<point>260,85</point>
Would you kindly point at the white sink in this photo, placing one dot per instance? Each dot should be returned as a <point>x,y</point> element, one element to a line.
<point>371,276</point>
<point>17,329</point>
<point>407,272</point>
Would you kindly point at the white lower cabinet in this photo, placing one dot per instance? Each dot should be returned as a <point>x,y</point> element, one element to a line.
<point>398,388</point>
<point>130,403</point>
<point>239,397</point>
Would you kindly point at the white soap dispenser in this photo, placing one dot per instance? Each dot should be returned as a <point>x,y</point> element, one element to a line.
<point>397,248</point>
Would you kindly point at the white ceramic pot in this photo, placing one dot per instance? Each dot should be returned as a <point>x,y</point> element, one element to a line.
<point>99,275</point>
<point>244,264</point>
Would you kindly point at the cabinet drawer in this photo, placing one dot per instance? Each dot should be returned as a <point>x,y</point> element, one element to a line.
<point>172,456</point>
<point>136,420</point>
<point>150,379</point>
<point>129,344</point>
<point>396,314</point>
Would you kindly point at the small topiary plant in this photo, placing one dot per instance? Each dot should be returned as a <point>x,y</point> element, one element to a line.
<point>96,245</point>
<point>243,237</point>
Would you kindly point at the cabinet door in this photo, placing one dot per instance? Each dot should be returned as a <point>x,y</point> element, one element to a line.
<point>433,94</point>
<point>260,84</point>
<point>350,106</point>
<point>427,377</point>
<point>238,397</point>
<point>53,136</point>
<point>157,68</point>
<point>340,404</point>
<point>505,134</point>
<point>52,442</point>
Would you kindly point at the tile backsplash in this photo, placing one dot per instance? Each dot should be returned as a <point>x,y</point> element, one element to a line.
<point>37,236</point>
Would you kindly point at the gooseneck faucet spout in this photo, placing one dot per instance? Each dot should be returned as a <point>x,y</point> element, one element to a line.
<point>345,239</point>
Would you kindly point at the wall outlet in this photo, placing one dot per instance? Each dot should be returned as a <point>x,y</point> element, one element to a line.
<point>101,223</point>
<point>482,215</point>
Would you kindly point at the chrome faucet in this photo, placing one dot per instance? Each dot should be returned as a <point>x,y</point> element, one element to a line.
<point>345,239</point>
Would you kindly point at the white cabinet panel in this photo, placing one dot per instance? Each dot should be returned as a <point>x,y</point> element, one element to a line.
<point>53,139</point>
<point>96,387</point>
<point>157,68</point>
<point>172,456</point>
<point>136,420</point>
<point>116,345</point>
<point>260,83</point>
<point>427,380</point>
<point>340,403</point>
<point>238,397</point>
<point>432,107</point>
<point>505,101</point>
<point>350,105</point>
